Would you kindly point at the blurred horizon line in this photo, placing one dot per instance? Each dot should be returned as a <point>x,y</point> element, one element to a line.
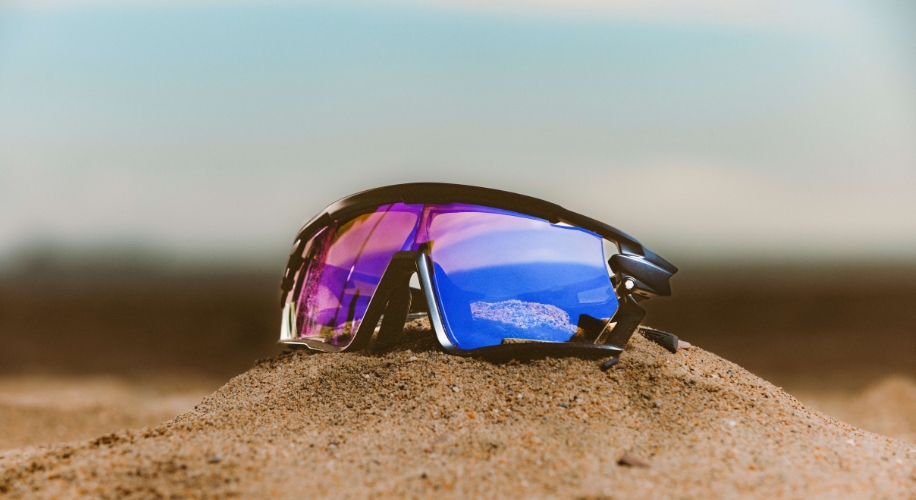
<point>116,260</point>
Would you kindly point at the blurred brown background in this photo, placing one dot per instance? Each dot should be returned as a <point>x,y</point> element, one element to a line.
<point>800,327</point>
<point>134,345</point>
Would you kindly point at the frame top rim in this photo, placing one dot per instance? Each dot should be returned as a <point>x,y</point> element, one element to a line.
<point>446,193</point>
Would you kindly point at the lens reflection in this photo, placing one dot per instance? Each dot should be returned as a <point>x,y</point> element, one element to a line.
<point>504,277</point>
<point>345,265</point>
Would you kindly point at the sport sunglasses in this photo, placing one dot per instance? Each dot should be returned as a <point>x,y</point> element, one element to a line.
<point>500,274</point>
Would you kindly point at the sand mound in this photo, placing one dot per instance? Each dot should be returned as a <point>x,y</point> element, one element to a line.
<point>410,421</point>
<point>887,407</point>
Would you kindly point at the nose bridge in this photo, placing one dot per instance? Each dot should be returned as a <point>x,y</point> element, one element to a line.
<point>421,237</point>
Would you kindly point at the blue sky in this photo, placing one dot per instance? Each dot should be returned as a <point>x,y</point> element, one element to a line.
<point>707,130</point>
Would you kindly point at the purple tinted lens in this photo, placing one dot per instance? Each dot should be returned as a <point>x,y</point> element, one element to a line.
<point>503,276</point>
<point>499,276</point>
<point>345,265</point>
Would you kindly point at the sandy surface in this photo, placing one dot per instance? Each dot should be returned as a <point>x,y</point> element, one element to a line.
<point>410,421</point>
<point>888,407</point>
<point>40,410</point>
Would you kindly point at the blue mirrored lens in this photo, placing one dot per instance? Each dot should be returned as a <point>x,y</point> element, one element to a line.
<point>502,277</point>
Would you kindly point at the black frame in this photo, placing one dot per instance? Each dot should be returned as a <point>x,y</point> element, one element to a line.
<point>638,273</point>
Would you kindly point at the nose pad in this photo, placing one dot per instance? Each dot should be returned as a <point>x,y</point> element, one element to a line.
<point>395,315</point>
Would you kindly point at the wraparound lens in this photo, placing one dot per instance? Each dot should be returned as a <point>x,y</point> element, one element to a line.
<point>499,276</point>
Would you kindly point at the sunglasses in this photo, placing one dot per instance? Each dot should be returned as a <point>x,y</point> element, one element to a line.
<point>497,273</point>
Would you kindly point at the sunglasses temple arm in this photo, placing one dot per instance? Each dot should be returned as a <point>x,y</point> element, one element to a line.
<point>636,278</point>
<point>667,340</point>
<point>627,318</point>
